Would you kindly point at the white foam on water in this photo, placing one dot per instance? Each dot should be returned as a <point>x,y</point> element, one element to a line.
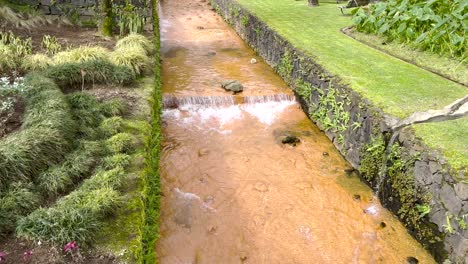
<point>192,114</point>
<point>268,112</point>
<point>192,197</point>
<point>372,210</point>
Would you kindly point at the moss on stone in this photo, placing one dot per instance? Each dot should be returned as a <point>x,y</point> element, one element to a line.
<point>401,179</point>
<point>371,158</point>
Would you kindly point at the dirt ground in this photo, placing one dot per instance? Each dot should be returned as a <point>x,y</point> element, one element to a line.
<point>68,36</point>
<point>10,121</point>
<point>22,251</point>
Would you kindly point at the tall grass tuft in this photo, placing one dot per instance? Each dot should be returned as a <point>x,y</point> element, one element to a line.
<point>36,62</point>
<point>86,113</point>
<point>133,57</point>
<point>16,201</point>
<point>114,107</point>
<point>133,40</point>
<point>77,216</point>
<point>81,54</point>
<point>77,164</point>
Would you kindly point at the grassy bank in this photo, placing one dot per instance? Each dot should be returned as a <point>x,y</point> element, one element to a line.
<point>397,87</point>
<point>152,189</point>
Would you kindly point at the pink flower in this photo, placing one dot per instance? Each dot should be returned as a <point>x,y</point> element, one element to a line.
<point>2,256</point>
<point>27,255</point>
<point>70,246</point>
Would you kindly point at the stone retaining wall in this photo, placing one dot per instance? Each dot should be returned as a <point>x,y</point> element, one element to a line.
<point>418,177</point>
<point>86,9</point>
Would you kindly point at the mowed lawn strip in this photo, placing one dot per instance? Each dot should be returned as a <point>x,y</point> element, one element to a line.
<point>397,87</point>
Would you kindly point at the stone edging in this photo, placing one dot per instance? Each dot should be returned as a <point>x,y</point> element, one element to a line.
<point>419,176</point>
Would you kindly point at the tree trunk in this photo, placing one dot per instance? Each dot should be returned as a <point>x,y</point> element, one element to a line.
<point>313,2</point>
<point>107,17</point>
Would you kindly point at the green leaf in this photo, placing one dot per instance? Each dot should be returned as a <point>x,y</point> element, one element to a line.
<point>384,28</point>
<point>402,27</point>
<point>421,38</point>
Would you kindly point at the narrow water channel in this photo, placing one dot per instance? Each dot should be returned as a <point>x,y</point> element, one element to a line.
<point>233,193</point>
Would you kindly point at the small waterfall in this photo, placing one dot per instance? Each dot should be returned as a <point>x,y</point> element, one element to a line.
<point>269,98</point>
<point>383,168</point>
<point>172,101</point>
<point>208,101</point>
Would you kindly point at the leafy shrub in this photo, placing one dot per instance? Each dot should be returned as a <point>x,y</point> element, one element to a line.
<point>120,143</point>
<point>112,125</point>
<point>133,40</point>
<point>129,18</point>
<point>133,57</point>
<point>114,107</point>
<point>438,26</point>
<point>50,44</point>
<point>36,62</point>
<point>17,201</point>
<point>99,71</point>
<point>81,54</point>
<point>12,51</point>
<point>77,164</point>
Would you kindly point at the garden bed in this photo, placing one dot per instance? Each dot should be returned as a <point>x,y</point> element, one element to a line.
<point>71,178</point>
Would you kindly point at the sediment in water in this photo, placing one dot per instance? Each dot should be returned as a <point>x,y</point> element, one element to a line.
<point>357,129</point>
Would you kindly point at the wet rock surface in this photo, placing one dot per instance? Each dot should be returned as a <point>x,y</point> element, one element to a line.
<point>232,86</point>
<point>290,140</point>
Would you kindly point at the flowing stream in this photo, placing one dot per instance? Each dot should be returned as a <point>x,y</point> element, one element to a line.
<point>232,192</point>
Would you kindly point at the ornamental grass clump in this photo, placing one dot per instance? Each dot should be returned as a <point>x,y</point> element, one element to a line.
<point>81,54</point>
<point>15,202</point>
<point>112,126</point>
<point>86,113</point>
<point>117,160</point>
<point>133,40</point>
<point>77,164</point>
<point>133,57</point>
<point>36,62</point>
<point>120,143</point>
<point>114,107</point>
<point>71,75</point>
<point>77,216</point>
<point>45,136</point>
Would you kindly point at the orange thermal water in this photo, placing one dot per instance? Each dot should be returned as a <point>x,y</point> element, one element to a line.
<point>233,193</point>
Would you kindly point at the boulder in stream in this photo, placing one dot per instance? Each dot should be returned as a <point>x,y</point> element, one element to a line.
<point>290,140</point>
<point>232,86</point>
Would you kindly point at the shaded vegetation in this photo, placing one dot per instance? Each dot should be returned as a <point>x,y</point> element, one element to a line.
<point>438,26</point>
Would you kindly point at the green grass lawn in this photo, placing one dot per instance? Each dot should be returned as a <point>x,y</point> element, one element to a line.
<point>397,87</point>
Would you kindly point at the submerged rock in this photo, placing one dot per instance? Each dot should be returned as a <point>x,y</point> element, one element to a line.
<point>357,197</point>
<point>232,86</point>
<point>412,260</point>
<point>290,140</point>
